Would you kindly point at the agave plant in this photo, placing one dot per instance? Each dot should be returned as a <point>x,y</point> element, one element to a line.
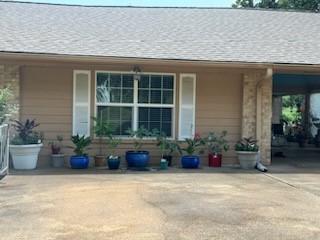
<point>247,144</point>
<point>81,143</point>
<point>26,134</point>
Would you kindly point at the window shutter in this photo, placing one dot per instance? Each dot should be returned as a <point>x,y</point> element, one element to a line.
<point>187,105</point>
<point>81,102</point>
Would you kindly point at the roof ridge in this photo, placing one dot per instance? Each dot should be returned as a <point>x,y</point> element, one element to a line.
<point>158,7</point>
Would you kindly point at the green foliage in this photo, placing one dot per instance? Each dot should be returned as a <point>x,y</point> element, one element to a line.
<point>26,134</point>
<point>247,145</point>
<point>101,129</point>
<point>80,144</point>
<point>243,4</point>
<point>193,145</point>
<point>113,143</point>
<point>292,101</point>
<point>166,146</point>
<point>312,5</point>
<point>217,143</point>
<point>138,137</point>
<point>290,108</point>
<point>5,108</point>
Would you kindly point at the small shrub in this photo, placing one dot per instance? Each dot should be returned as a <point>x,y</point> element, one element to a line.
<point>80,144</point>
<point>247,144</point>
<point>26,134</point>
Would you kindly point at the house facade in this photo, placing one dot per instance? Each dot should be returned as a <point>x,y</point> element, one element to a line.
<point>178,70</point>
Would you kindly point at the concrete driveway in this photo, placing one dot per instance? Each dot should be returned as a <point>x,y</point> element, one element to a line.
<point>202,204</point>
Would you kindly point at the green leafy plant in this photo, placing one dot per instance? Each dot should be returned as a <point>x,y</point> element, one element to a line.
<point>138,137</point>
<point>101,129</point>
<point>247,144</point>
<point>26,134</point>
<point>193,145</point>
<point>113,143</point>
<point>6,109</point>
<point>80,144</point>
<point>217,143</point>
<point>56,145</point>
<point>166,146</point>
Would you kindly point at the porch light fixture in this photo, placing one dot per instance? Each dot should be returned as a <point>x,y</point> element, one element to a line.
<point>137,73</point>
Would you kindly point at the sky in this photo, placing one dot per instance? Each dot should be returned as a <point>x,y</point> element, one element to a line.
<point>167,3</point>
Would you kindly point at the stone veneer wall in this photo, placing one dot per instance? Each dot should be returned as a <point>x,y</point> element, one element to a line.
<point>257,111</point>
<point>10,76</point>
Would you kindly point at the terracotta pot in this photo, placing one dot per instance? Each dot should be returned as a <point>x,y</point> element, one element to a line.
<point>215,160</point>
<point>99,161</point>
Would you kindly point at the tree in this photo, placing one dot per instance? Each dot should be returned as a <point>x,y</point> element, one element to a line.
<point>243,4</point>
<point>311,5</point>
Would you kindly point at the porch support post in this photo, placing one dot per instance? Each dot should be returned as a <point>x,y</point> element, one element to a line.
<point>10,77</point>
<point>264,124</point>
<point>257,110</point>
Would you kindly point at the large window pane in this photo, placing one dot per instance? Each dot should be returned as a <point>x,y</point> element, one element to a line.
<point>118,88</point>
<point>119,118</point>
<point>156,118</point>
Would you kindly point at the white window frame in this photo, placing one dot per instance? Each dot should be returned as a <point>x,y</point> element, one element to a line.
<point>74,104</point>
<point>135,105</point>
<point>181,76</point>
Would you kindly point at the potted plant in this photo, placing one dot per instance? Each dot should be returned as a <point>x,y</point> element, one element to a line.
<point>194,145</point>
<point>247,151</point>
<point>216,145</point>
<point>26,145</point>
<point>113,159</point>
<point>57,157</point>
<point>101,129</point>
<point>167,147</point>
<point>80,160</point>
<point>138,158</point>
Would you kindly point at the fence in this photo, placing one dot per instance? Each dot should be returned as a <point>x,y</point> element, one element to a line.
<point>4,150</point>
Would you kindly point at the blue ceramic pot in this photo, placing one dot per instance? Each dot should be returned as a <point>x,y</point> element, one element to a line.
<point>190,161</point>
<point>138,159</point>
<point>79,162</point>
<point>113,163</point>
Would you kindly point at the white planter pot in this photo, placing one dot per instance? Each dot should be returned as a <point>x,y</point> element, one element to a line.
<point>25,157</point>
<point>247,160</point>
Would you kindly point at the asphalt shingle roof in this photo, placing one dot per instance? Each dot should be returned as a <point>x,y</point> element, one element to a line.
<point>161,33</point>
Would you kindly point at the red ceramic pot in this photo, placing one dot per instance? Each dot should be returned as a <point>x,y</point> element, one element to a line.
<point>215,160</point>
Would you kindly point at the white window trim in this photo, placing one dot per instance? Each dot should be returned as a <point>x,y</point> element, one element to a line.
<point>135,103</point>
<point>74,104</point>
<point>181,76</point>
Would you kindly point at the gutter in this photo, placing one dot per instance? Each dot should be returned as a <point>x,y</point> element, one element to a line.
<point>21,56</point>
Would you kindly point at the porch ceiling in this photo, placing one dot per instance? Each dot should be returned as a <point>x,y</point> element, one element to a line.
<point>286,84</point>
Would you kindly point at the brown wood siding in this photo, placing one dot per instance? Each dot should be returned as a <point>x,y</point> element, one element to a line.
<point>46,95</point>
